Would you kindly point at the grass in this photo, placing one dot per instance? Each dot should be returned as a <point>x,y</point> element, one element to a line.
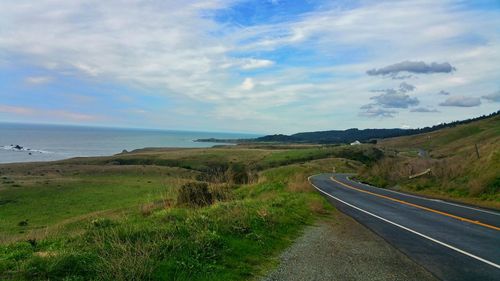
<point>364,154</point>
<point>457,173</point>
<point>138,215</point>
<point>100,218</point>
<point>55,200</point>
<point>450,141</point>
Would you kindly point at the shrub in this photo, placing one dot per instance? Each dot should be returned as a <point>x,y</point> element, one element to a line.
<point>17,251</point>
<point>194,194</point>
<point>493,187</point>
<point>221,192</point>
<point>217,173</point>
<point>238,174</point>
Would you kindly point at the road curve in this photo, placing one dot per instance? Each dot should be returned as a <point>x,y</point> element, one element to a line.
<point>452,241</point>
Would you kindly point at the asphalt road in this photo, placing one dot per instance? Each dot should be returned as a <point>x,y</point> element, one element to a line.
<point>452,241</point>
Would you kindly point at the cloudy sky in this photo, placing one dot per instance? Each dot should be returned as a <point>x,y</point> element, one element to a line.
<point>269,66</point>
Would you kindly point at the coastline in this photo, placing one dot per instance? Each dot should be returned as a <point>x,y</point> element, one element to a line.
<point>22,143</point>
<point>124,151</point>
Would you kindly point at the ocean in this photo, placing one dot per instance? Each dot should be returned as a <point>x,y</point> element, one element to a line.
<point>30,142</point>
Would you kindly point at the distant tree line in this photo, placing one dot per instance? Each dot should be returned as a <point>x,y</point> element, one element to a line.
<point>365,135</point>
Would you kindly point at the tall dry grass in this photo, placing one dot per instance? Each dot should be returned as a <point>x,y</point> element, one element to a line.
<point>299,183</point>
<point>462,174</point>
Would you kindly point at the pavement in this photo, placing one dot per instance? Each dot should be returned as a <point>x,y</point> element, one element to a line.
<point>452,241</point>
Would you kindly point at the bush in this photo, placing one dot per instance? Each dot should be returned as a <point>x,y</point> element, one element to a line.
<point>217,173</point>
<point>221,192</point>
<point>194,194</point>
<point>493,187</point>
<point>238,174</point>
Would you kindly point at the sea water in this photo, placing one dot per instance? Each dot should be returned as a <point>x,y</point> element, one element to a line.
<point>30,142</point>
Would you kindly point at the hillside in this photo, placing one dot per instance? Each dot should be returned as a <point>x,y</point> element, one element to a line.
<point>162,214</point>
<point>349,135</point>
<point>364,135</point>
<point>457,170</point>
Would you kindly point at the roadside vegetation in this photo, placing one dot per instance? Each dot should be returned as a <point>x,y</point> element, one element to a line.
<point>457,170</point>
<point>163,214</point>
<point>222,213</point>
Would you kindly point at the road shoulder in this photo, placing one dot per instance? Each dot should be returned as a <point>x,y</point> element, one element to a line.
<point>341,249</point>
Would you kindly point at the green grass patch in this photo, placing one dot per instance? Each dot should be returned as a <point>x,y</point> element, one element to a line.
<point>48,204</point>
<point>128,222</point>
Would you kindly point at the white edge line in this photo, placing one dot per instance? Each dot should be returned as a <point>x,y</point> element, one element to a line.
<point>430,199</point>
<point>406,228</point>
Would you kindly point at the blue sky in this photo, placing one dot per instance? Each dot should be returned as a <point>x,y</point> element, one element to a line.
<point>279,66</point>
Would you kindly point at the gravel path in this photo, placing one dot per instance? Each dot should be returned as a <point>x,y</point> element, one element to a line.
<point>342,249</point>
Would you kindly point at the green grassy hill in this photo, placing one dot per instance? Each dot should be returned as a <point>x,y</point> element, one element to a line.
<point>162,214</point>
<point>450,153</point>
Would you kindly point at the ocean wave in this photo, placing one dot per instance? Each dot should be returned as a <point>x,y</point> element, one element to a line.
<point>22,148</point>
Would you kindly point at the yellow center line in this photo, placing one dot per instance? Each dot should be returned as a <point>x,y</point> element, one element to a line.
<point>417,206</point>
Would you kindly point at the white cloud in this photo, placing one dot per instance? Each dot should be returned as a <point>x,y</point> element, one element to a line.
<point>160,44</point>
<point>86,68</point>
<point>137,111</point>
<point>37,80</point>
<point>248,84</point>
<point>176,48</point>
<point>256,63</point>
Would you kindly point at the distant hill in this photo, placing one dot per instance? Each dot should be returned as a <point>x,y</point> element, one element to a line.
<point>365,135</point>
<point>464,161</point>
<point>347,136</point>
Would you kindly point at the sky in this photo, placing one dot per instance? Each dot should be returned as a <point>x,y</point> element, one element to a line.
<point>268,66</point>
